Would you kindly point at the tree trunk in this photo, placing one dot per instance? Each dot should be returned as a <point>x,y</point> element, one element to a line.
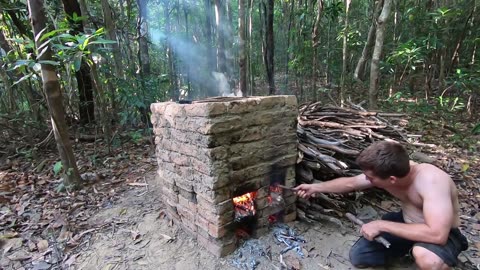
<point>174,91</point>
<point>269,47</point>
<point>250,72</point>
<point>315,43</point>
<point>287,59</point>
<point>377,52</point>
<point>112,35</point>
<point>208,35</point>
<point>143,57</point>
<point>221,33</point>
<point>187,36</point>
<point>360,73</point>
<point>344,56</point>
<point>142,32</point>
<point>53,93</point>
<point>241,34</point>
<point>83,76</point>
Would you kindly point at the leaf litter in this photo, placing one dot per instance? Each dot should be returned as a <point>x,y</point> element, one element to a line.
<point>41,228</point>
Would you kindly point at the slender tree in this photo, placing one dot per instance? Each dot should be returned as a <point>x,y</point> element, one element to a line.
<point>83,76</point>
<point>377,52</point>
<point>51,87</point>
<point>269,46</point>
<point>241,32</point>
<point>344,54</point>
<point>359,73</point>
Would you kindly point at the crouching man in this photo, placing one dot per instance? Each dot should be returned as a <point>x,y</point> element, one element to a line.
<point>427,226</point>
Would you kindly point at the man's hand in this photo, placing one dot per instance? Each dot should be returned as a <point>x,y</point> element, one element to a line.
<point>371,230</point>
<point>305,191</point>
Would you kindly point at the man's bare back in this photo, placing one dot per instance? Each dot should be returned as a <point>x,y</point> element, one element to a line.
<point>425,178</point>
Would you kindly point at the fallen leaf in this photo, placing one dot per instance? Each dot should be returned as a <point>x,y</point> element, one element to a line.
<point>13,244</point>
<point>292,262</point>
<point>42,245</point>
<point>20,255</point>
<point>71,260</point>
<point>41,265</point>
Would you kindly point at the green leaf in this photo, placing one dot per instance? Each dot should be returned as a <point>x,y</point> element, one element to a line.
<point>103,41</point>
<point>49,62</point>
<point>22,79</point>
<point>57,167</point>
<point>52,33</point>
<point>476,129</point>
<point>77,61</point>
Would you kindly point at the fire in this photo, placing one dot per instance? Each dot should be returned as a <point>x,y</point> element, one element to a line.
<point>244,205</point>
<point>276,189</point>
<point>276,195</point>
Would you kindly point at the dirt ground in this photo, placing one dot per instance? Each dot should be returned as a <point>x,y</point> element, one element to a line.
<point>137,235</point>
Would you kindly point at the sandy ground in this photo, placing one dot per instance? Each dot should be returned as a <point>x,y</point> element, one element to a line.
<point>138,236</point>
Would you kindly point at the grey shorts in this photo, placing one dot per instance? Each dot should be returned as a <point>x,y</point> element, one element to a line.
<point>370,253</point>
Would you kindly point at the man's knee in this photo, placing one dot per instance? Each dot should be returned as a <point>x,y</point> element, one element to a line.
<point>356,258</point>
<point>359,257</point>
<point>427,260</point>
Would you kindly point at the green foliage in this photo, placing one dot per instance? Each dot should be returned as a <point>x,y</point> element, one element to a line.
<point>136,136</point>
<point>476,129</point>
<point>57,167</point>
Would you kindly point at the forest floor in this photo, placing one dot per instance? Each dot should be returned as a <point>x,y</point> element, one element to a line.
<point>117,221</point>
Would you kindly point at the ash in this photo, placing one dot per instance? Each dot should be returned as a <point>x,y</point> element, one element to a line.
<point>248,255</point>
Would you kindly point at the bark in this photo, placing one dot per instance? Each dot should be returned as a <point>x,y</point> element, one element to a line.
<point>101,100</point>
<point>83,76</point>
<point>221,34</point>
<point>208,35</point>
<point>315,42</point>
<point>241,32</point>
<point>112,35</point>
<point>456,53</point>
<point>174,92</point>
<point>142,32</point>
<point>360,73</point>
<point>187,36</point>
<point>287,59</point>
<point>53,93</point>
<point>377,52</point>
<point>269,47</point>
<point>84,10</point>
<point>250,71</point>
<point>344,55</point>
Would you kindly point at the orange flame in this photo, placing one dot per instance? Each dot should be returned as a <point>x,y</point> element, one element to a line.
<point>245,202</point>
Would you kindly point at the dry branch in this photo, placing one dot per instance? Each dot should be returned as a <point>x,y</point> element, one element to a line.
<point>330,139</point>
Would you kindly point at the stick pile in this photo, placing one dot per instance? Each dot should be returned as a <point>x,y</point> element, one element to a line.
<point>330,139</point>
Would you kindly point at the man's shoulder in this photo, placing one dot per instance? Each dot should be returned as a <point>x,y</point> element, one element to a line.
<point>428,168</point>
<point>428,174</point>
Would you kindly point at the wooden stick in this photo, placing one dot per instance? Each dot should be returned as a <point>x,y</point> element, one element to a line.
<point>284,187</point>
<point>357,221</point>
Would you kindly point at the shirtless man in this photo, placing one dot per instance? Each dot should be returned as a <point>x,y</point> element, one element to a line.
<point>428,224</point>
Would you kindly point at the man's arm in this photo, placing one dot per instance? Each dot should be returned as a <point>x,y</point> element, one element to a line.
<point>338,185</point>
<point>438,215</point>
<point>343,184</point>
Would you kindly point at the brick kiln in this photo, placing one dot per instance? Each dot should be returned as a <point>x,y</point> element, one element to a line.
<point>220,161</point>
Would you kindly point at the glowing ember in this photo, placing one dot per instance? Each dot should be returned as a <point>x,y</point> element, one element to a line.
<point>276,196</point>
<point>244,205</point>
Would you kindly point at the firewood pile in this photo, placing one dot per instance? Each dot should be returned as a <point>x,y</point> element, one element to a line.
<point>330,139</point>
